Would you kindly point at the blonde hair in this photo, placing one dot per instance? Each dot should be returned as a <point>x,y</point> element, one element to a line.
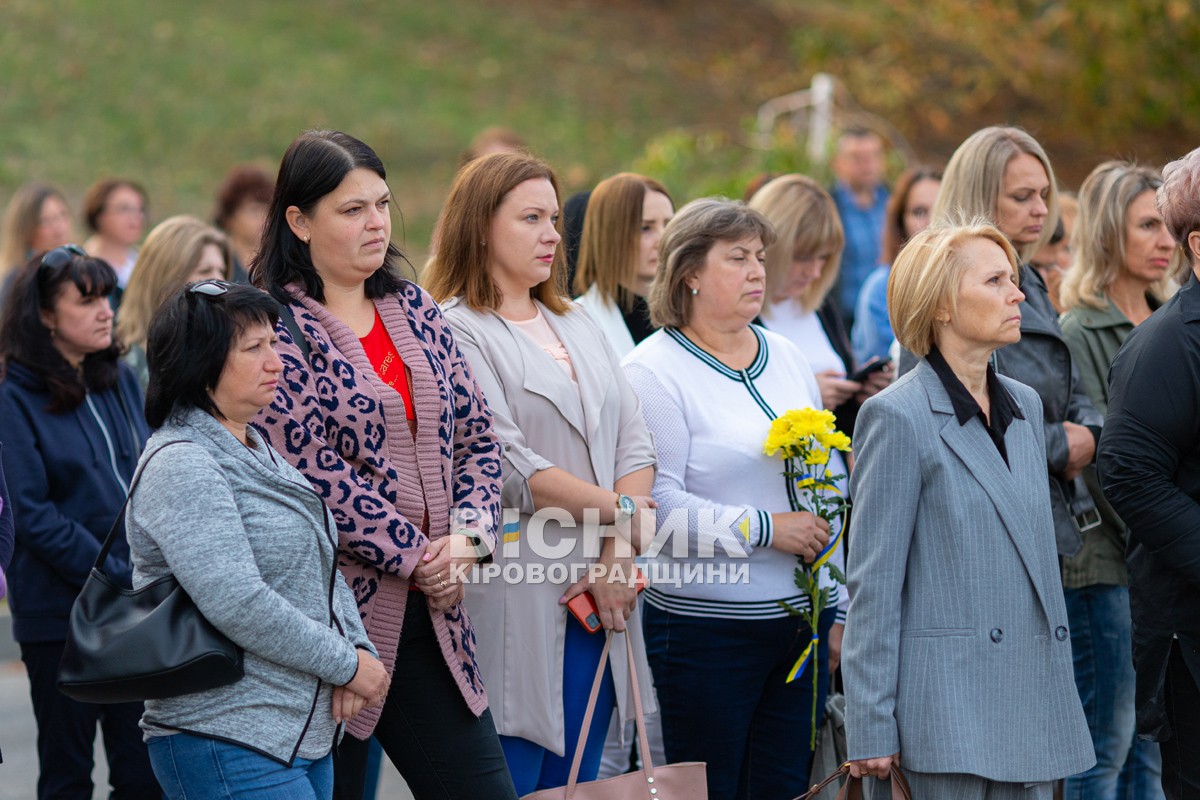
<point>459,268</point>
<point>169,256</point>
<point>1099,239</point>
<point>925,278</point>
<point>609,245</point>
<point>974,180</point>
<point>806,222</point>
<point>683,251</point>
<point>21,220</point>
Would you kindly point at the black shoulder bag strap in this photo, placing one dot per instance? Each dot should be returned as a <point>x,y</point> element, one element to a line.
<point>112,533</point>
<point>293,329</point>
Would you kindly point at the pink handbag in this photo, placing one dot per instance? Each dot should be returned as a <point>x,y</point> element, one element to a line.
<point>685,781</point>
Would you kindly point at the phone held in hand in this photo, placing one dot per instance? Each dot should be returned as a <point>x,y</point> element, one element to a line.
<point>583,606</point>
<point>869,369</point>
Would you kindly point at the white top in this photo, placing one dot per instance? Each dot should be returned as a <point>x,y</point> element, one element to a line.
<point>715,487</point>
<point>608,316</point>
<point>803,329</point>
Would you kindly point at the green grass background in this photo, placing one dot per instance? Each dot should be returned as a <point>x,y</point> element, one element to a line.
<point>171,94</point>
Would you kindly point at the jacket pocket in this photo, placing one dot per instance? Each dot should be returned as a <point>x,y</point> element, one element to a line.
<point>927,633</point>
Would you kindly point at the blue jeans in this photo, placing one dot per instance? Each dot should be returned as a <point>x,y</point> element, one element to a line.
<point>722,688</point>
<point>533,767</point>
<point>198,768</point>
<point>1101,643</point>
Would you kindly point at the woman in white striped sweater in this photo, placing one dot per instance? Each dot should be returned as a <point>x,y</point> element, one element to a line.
<point>710,383</point>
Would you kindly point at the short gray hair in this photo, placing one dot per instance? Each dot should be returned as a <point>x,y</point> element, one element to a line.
<point>1178,199</point>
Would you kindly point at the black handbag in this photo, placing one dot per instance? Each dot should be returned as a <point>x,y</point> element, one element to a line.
<point>126,645</point>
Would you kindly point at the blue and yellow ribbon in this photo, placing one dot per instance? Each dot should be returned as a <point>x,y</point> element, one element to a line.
<point>824,555</point>
<point>809,654</point>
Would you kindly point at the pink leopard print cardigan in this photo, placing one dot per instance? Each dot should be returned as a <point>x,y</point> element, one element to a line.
<point>345,430</point>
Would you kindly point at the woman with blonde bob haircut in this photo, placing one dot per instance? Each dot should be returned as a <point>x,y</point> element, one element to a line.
<point>954,584</point>
<point>1124,259</point>
<point>618,255</point>
<point>179,250</point>
<point>925,282</point>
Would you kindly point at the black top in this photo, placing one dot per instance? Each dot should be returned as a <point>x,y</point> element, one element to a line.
<point>966,408</point>
<point>1149,467</point>
<point>637,318</point>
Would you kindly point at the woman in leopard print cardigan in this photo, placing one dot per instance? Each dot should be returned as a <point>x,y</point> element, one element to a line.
<point>415,503</point>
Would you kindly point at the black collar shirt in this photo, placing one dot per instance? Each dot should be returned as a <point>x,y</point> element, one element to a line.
<point>1004,408</point>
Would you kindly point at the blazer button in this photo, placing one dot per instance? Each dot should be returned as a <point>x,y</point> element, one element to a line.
<point>1060,633</point>
<point>997,635</point>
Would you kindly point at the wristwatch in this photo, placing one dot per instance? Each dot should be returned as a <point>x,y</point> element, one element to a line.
<point>625,509</point>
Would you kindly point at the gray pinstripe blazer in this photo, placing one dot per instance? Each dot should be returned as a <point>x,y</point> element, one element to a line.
<point>957,653</point>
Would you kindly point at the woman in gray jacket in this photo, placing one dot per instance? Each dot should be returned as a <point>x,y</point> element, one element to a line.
<point>255,548</point>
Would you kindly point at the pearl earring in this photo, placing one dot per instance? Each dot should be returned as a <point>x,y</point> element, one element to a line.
<point>695,291</point>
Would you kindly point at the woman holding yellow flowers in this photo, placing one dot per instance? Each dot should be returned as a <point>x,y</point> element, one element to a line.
<point>720,641</point>
<point>958,656</point>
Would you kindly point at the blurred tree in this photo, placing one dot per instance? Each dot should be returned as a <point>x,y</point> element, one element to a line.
<point>1091,80</point>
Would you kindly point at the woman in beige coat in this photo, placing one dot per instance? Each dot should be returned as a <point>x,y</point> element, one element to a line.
<point>578,469</point>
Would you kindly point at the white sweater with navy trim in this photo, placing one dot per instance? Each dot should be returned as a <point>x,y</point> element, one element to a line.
<point>709,424</point>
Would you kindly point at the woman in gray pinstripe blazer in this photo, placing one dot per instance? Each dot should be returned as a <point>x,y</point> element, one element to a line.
<point>957,656</point>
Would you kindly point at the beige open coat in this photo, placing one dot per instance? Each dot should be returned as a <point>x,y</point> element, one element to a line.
<point>597,434</point>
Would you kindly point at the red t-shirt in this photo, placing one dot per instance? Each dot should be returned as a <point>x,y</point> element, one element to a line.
<point>387,362</point>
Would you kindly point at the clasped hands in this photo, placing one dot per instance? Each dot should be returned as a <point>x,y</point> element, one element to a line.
<point>368,687</point>
<point>442,568</point>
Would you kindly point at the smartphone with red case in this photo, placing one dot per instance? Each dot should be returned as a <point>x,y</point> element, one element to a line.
<point>583,606</point>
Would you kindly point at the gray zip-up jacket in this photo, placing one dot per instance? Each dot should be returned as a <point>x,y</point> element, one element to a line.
<point>255,548</point>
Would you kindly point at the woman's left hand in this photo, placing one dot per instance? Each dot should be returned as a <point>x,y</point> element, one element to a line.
<point>835,389</point>
<point>611,588</point>
<point>442,570</point>
<point>875,383</point>
<point>346,704</point>
<point>835,646</point>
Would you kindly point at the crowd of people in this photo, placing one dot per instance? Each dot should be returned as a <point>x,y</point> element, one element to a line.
<point>426,506</point>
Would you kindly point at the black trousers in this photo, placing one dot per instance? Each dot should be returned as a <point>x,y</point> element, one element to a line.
<point>67,731</point>
<point>441,749</point>
<point>1181,753</point>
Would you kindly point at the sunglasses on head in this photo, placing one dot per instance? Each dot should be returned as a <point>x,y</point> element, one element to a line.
<point>210,288</point>
<point>59,257</point>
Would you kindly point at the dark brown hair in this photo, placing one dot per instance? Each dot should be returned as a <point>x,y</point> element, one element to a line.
<point>97,197</point>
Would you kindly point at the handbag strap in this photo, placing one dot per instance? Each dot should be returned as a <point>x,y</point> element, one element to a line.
<point>293,328</point>
<point>852,788</point>
<point>643,741</point>
<point>112,532</point>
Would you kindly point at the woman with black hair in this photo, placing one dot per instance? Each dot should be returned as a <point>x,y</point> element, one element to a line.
<point>73,431</point>
<point>254,546</point>
<point>378,408</point>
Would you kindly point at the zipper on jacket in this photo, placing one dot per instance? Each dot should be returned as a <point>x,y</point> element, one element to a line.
<point>112,453</point>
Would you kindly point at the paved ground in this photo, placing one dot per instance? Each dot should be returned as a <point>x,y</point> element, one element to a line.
<point>18,773</point>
